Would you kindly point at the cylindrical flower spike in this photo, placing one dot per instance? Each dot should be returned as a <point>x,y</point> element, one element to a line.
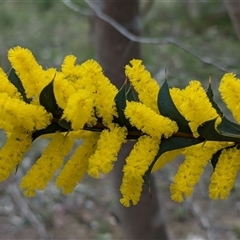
<point>7,87</point>
<point>230,92</point>
<point>194,105</point>
<point>32,75</point>
<point>103,91</point>
<point>190,171</point>
<point>148,121</point>
<point>13,151</point>
<point>43,170</point>
<point>79,109</point>
<point>77,165</point>
<point>18,113</point>
<point>225,173</point>
<point>108,146</point>
<point>146,87</point>
<point>63,89</point>
<point>137,164</point>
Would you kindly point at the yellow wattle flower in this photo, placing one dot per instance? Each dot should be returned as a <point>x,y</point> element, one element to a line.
<point>77,165</point>
<point>12,152</point>
<point>68,69</point>
<point>194,105</point>
<point>7,87</point>
<point>225,173</point>
<point>146,87</point>
<point>79,109</point>
<point>148,121</point>
<point>229,89</point>
<point>43,170</point>
<point>18,113</point>
<point>108,146</point>
<point>103,91</point>
<point>190,171</point>
<point>63,89</point>
<point>32,75</point>
<point>137,164</point>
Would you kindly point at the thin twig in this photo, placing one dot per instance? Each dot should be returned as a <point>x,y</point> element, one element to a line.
<point>147,40</point>
<point>76,8</point>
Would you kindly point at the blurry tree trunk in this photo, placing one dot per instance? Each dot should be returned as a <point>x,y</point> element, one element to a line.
<point>113,51</point>
<point>233,8</point>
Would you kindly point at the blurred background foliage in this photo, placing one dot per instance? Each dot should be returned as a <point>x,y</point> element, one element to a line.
<point>52,31</point>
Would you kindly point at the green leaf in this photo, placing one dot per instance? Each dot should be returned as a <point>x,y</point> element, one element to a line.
<point>64,124</point>
<point>52,128</point>
<point>208,131</point>
<point>168,109</point>
<point>228,128</point>
<point>120,100</point>
<point>15,80</point>
<point>169,144</point>
<point>210,96</point>
<point>215,158</point>
<point>47,100</point>
<point>131,95</point>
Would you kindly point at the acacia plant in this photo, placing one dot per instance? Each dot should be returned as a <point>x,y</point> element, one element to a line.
<point>79,102</point>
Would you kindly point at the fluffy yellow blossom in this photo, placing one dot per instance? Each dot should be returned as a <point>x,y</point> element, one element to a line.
<point>136,165</point>
<point>12,152</point>
<point>7,87</point>
<point>77,165</point>
<point>6,126</point>
<point>103,91</point>
<point>18,113</point>
<point>74,74</point>
<point>43,170</point>
<point>195,106</point>
<point>225,173</point>
<point>63,89</point>
<point>148,121</point>
<point>177,96</point>
<point>146,87</point>
<point>190,171</point>
<point>229,89</point>
<point>108,146</point>
<point>32,76</point>
<point>79,109</point>
<point>68,68</point>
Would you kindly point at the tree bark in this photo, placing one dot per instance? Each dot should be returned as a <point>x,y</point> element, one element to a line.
<point>114,51</point>
<point>233,8</point>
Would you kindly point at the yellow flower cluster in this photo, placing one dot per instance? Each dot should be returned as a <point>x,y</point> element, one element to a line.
<point>137,164</point>
<point>143,83</point>
<point>7,87</point>
<point>190,171</point>
<point>223,178</point>
<point>84,99</point>
<point>51,160</point>
<point>32,75</point>
<point>12,153</point>
<point>193,104</point>
<point>108,146</point>
<point>83,95</point>
<point>81,89</point>
<point>146,120</point>
<point>77,165</point>
<point>229,89</point>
